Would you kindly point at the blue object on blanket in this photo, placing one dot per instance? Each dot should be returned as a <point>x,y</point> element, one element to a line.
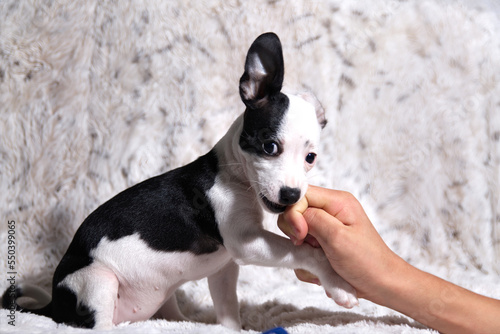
<point>277,330</point>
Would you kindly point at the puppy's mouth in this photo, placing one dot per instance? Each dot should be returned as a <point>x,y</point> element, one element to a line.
<point>271,206</point>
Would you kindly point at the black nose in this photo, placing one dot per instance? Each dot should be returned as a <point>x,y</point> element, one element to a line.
<point>289,195</point>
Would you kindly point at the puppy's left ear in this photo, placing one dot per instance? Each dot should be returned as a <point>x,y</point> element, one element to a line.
<point>320,112</point>
<point>264,71</point>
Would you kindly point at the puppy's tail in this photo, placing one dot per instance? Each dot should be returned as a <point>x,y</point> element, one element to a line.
<point>10,296</point>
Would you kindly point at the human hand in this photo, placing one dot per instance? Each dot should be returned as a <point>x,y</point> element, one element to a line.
<point>336,221</point>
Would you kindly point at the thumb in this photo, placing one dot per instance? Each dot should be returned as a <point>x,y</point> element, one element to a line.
<point>292,223</point>
<point>322,225</point>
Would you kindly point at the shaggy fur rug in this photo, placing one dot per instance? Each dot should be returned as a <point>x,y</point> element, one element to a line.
<point>96,96</point>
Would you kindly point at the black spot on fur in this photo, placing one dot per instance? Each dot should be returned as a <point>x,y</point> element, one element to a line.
<point>256,88</point>
<point>170,212</point>
<point>9,301</point>
<point>70,311</point>
<point>263,124</point>
<point>260,91</point>
<point>9,298</point>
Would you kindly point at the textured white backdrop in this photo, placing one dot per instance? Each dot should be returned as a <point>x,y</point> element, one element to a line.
<point>97,96</point>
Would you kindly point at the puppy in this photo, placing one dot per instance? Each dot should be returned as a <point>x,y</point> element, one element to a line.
<point>202,220</point>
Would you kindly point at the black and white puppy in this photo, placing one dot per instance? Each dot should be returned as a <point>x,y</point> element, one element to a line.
<point>202,220</point>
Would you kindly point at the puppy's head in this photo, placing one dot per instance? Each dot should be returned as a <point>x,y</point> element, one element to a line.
<point>280,135</point>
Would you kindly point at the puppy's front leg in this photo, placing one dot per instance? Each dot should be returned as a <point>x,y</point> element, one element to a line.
<point>222,287</point>
<point>264,248</point>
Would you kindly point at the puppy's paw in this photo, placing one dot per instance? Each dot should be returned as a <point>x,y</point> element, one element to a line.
<point>343,294</point>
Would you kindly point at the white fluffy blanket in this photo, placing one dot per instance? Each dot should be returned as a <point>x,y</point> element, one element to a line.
<point>96,96</point>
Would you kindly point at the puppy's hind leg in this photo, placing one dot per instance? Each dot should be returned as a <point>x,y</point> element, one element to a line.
<point>170,310</point>
<point>93,293</point>
<point>222,287</point>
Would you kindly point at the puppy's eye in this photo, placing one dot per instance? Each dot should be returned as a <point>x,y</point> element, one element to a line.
<point>270,148</point>
<point>310,158</point>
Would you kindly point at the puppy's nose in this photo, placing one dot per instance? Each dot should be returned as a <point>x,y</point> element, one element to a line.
<point>289,195</point>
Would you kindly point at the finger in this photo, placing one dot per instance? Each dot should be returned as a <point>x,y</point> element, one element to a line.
<point>321,224</point>
<point>343,205</point>
<point>293,224</point>
<point>328,199</point>
<point>306,276</point>
<point>312,241</point>
<point>288,228</point>
<point>285,225</point>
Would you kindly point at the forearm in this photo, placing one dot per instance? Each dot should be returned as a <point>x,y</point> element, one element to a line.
<point>439,304</point>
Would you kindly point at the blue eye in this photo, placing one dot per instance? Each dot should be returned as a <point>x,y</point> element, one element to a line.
<point>270,148</point>
<point>310,158</point>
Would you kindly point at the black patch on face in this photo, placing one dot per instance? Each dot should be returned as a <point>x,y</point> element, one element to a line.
<point>256,86</point>
<point>260,91</point>
<point>263,124</point>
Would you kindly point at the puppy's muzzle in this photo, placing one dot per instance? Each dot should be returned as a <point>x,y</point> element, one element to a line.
<point>287,196</point>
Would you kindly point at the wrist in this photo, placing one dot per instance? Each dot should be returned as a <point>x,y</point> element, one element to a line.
<point>397,280</point>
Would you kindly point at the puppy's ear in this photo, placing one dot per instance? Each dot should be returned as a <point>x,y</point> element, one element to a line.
<point>320,112</point>
<point>264,70</point>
